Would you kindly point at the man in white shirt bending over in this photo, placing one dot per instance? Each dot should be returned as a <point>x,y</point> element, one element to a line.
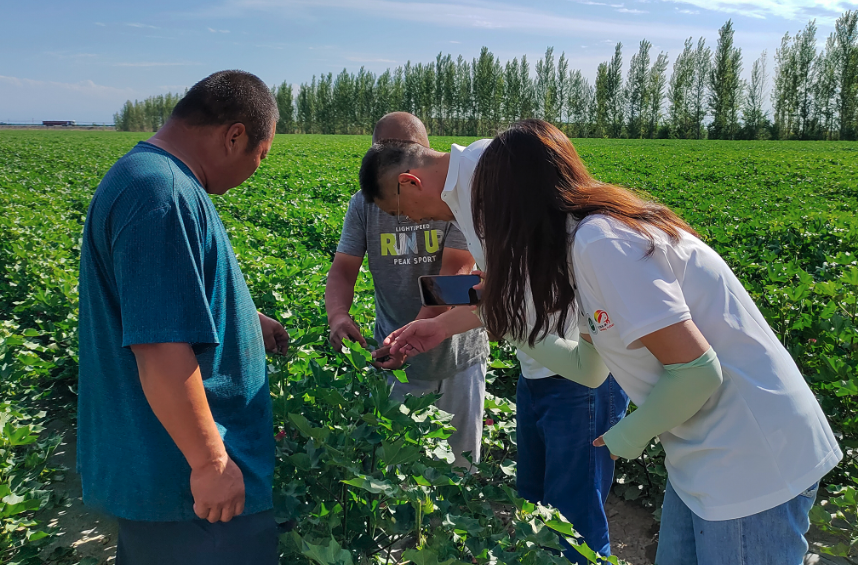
<point>400,251</point>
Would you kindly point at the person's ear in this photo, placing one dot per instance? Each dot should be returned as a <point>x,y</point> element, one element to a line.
<point>233,137</point>
<point>408,178</point>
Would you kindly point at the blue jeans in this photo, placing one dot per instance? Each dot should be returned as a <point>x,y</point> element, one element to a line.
<point>557,464</point>
<point>773,537</point>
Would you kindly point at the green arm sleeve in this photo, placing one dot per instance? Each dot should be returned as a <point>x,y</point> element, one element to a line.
<point>575,360</point>
<point>678,395</point>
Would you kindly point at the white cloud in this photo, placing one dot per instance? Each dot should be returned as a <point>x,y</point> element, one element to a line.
<point>100,24</point>
<point>799,10</point>
<point>689,12</point>
<point>139,25</point>
<point>218,30</point>
<point>27,99</point>
<point>155,64</point>
<point>360,59</point>
<point>463,13</point>
<point>631,11</point>
<point>84,86</point>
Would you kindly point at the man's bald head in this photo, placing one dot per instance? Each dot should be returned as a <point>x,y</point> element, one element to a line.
<point>402,126</point>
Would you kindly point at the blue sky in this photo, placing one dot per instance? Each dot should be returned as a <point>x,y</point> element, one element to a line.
<point>82,60</point>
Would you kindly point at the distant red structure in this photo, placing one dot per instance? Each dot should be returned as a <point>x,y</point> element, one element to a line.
<point>59,123</point>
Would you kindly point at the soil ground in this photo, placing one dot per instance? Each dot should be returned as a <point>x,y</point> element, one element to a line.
<point>92,536</point>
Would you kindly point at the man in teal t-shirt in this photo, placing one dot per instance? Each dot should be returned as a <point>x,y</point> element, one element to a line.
<point>175,426</point>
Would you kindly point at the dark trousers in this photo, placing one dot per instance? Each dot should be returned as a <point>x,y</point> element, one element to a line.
<point>557,464</point>
<point>244,540</point>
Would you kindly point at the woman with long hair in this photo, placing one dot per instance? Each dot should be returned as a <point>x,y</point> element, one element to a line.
<point>745,440</point>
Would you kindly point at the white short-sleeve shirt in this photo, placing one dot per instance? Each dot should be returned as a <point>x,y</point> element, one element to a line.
<point>761,439</point>
<point>457,195</point>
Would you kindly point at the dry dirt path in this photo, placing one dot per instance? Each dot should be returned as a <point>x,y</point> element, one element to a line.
<point>92,536</point>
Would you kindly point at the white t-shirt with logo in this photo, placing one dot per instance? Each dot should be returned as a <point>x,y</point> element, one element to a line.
<point>761,439</point>
<point>457,195</point>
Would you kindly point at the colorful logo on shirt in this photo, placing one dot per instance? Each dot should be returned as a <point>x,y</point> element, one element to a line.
<point>408,241</point>
<point>603,320</point>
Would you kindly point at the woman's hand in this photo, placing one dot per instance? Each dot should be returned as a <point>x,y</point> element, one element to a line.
<point>417,337</point>
<point>481,285</point>
<point>600,442</point>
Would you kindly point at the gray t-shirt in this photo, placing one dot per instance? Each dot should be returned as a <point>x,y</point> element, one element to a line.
<point>398,254</point>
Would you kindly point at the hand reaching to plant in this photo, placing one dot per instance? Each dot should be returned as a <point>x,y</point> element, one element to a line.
<point>384,359</point>
<point>274,335</point>
<point>344,327</point>
<point>417,337</point>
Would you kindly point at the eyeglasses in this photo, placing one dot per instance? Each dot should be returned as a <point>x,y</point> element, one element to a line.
<point>399,218</point>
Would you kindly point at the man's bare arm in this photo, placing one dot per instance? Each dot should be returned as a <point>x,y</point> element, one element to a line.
<point>339,295</point>
<point>171,380</point>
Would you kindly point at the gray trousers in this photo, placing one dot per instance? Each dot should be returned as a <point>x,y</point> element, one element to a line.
<point>463,395</point>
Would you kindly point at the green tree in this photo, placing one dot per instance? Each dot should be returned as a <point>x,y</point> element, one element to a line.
<point>846,57</point>
<point>825,89</point>
<point>784,97</point>
<point>680,93</point>
<point>325,117</point>
<point>654,96</point>
<point>614,92</point>
<point>753,114</point>
<point>528,92</point>
<point>601,101</point>
<point>306,107</point>
<point>580,104</point>
<point>561,89</point>
<point>725,85</point>
<point>544,86</point>
<point>484,87</point>
<point>636,89</point>
<point>702,66</point>
<point>283,96</point>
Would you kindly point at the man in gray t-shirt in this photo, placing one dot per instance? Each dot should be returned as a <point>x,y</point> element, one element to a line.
<point>399,252</point>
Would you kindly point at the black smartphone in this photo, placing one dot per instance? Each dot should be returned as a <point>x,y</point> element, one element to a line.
<point>449,290</point>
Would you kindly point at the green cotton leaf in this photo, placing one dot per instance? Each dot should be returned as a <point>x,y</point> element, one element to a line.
<point>418,403</point>
<point>508,468</point>
<point>500,364</point>
<point>17,505</point>
<point>399,452</point>
<point>400,375</point>
<point>307,429</point>
<point>31,333</point>
<point>563,527</point>
<point>22,435</point>
<point>301,461</point>
<point>358,356</point>
<point>827,288</point>
<point>494,403</point>
<point>372,486</point>
<point>846,388</point>
<point>585,550</point>
<point>37,535</point>
<point>828,310</point>
<point>427,557</point>
<point>850,277</point>
<point>330,554</point>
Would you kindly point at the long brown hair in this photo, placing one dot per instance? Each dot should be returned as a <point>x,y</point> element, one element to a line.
<point>527,184</point>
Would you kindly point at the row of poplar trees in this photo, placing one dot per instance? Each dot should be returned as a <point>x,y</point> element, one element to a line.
<point>814,93</point>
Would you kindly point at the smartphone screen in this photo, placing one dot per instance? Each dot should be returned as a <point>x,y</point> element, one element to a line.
<point>454,290</point>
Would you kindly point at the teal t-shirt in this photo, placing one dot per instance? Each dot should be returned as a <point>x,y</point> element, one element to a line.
<point>157,267</point>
